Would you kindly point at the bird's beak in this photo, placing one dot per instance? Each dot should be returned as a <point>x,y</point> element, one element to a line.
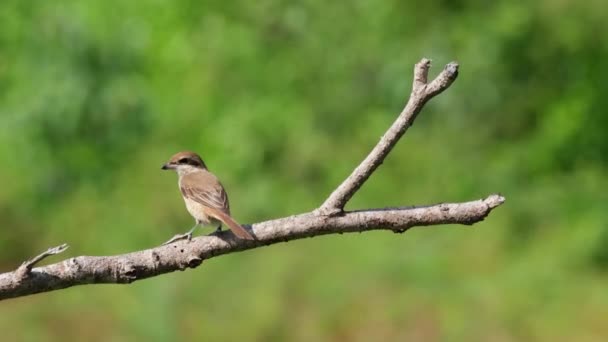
<point>167,167</point>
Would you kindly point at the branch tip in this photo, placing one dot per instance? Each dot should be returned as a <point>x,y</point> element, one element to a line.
<point>421,73</point>
<point>494,200</point>
<point>443,80</point>
<point>452,67</point>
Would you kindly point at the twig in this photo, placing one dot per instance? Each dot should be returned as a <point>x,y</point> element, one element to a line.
<point>26,268</point>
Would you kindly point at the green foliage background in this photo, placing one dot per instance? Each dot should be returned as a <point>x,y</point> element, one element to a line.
<point>283,99</point>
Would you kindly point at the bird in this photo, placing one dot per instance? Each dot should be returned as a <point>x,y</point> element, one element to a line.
<point>205,197</point>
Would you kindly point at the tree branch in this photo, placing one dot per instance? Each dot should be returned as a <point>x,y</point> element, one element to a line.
<point>330,218</point>
<point>26,268</point>
<point>421,93</point>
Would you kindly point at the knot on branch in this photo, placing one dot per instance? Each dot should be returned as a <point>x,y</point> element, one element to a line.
<point>194,261</point>
<point>128,273</point>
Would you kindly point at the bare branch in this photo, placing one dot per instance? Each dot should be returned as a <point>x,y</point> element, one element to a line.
<point>421,93</point>
<point>443,80</point>
<point>127,268</point>
<point>330,218</point>
<point>24,270</point>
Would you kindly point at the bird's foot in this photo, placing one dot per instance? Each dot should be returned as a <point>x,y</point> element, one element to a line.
<point>185,236</point>
<point>217,231</point>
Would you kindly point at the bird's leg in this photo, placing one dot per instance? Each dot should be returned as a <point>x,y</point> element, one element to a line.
<point>187,236</point>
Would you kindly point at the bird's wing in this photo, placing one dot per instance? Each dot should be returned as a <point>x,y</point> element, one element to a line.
<point>204,188</point>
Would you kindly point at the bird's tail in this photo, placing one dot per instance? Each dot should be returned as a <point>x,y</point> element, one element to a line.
<point>236,228</point>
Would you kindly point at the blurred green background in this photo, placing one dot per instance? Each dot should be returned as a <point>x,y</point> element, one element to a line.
<point>283,99</point>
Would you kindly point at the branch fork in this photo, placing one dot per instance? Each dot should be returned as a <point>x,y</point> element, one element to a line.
<point>329,218</point>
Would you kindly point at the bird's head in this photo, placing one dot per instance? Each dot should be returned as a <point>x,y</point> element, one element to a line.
<point>184,162</point>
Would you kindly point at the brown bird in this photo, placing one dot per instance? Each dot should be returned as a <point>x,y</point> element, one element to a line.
<point>204,195</point>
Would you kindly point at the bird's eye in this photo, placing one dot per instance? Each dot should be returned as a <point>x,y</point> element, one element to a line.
<point>184,161</point>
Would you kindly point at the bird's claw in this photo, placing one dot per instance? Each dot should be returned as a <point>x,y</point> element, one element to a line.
<point>186,236</point>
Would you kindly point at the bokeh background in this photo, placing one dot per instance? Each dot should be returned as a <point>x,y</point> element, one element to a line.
<point>283,99</point>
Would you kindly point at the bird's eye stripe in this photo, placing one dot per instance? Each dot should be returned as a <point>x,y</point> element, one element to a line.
<point>184,161</point>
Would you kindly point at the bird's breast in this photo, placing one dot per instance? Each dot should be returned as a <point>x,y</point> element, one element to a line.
<point>197,211</point>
